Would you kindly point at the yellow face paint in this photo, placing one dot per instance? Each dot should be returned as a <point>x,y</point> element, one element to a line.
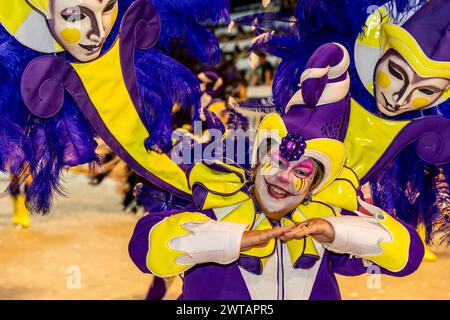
<point>266,167</point>
<point>298,184</point>
<point>114,16</point>
<point>420,102</point>
<point>70,35</point>
<point>446,94</point>
<point>383,80</point>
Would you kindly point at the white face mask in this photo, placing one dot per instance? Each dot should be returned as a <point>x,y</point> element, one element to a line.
<point>82,26</point>
<point>399,89</point>
<point>281,185</point>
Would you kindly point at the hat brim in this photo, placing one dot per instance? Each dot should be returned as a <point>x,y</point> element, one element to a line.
<point>397,38</point>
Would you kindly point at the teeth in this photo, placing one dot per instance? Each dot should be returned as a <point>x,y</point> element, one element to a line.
<point>277,190</point>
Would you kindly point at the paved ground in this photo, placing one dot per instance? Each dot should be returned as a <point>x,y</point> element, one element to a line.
<point>87,235</point>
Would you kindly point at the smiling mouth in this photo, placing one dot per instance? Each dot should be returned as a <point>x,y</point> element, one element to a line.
<point>91,48</point>
<point>276,192</point>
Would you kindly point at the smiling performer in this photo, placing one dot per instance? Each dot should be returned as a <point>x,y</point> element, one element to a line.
<point>279,231</point>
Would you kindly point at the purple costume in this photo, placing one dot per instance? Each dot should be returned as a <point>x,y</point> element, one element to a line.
<point>211,281</point>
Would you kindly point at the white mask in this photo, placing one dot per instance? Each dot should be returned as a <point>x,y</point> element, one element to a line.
<point>399,89</point>
<point>82,26</point>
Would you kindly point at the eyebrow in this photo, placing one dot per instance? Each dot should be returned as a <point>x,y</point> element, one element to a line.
<point>431,87</point>
<point>308,164</point>
<point>398,68</point>
<point>110,1</point>
<point>83,7</point>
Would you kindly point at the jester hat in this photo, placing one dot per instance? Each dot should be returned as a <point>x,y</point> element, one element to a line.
<point>424,39</point>
<point>339,183</point>
<point>26,21</point>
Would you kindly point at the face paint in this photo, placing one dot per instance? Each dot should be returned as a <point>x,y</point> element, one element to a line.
<point>383,80</point>
<point>82,26</point>
<point>71,36</point>
<point>420,102</point>
<point>281,185</point>
<point>302,173</point>
<point>399,89</point>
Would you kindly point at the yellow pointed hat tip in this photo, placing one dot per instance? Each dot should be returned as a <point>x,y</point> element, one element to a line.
<point>25,19</point>
<point>40,5</point>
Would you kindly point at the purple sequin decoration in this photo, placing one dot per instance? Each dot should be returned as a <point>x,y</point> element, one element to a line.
<point>292,146</point>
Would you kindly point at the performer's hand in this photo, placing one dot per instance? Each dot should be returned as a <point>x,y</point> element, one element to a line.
<point>260,238</point>
<point>319,229</point>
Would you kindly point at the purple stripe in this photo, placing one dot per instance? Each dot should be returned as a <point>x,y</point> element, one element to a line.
<point>325,285</point>
<point>140,28</point>
<point>329,54</point>
<point>278,271</point>
<point>306,261</point>
<point>251,264</point>
<point>211,281</point>
<point>312,121</point>
<point>282,271</point>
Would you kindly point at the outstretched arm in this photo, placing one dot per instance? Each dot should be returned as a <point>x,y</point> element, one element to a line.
<point>169,243</point>
<point>380,239</point>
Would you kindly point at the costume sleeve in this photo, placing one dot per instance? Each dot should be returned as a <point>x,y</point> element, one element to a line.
<point>357,235</point>
<point>170,243</point>
<point>381,240</point>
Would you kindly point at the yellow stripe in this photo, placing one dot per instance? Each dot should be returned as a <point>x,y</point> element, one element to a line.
<point>393,36</point>
<point>58,47</point>
<point>219,201</point>
<point>298,247</point>
<point>395,255</point>
<point>268,249</point>
<point>41,5</point>
<point>217,181</point>
<point>216,107</point>
<point>313,210</point>
<point>104,83</point>
<point>367,138</point>
<point>340,193</point>
<point>295,246</point>
<point>13,13</point>
<point>244,214</point>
